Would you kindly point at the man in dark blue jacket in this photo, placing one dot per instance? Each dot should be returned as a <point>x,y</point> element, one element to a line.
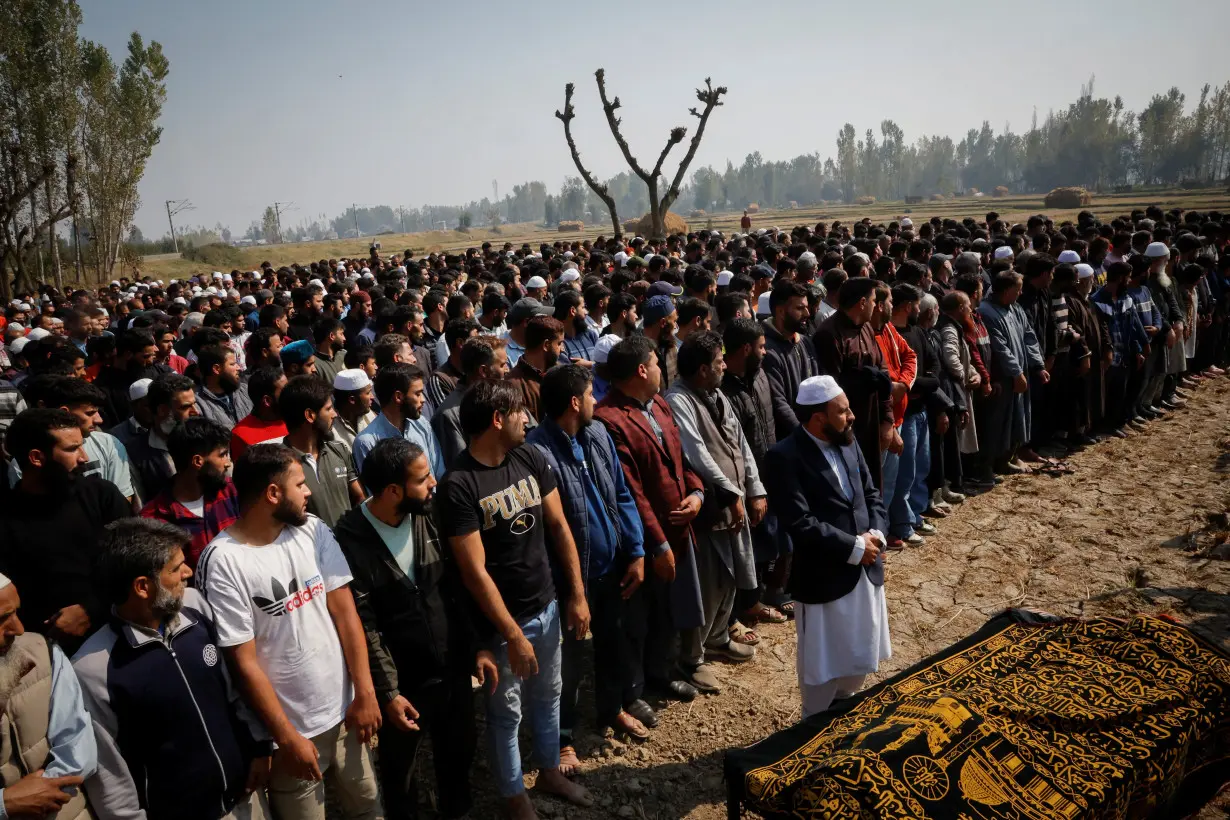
<point>174,739</point>
<point>610,544</point>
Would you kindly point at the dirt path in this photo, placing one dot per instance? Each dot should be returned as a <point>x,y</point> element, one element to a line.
<point>1139,528</point>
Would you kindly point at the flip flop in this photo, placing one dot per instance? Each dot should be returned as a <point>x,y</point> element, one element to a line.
<point>762,613</point>
<point>741,634</point>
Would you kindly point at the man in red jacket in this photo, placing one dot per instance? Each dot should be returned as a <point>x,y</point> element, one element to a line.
<point>668,496</point>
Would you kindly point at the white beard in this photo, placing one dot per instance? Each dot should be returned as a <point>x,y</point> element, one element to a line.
<point>1163,279</point>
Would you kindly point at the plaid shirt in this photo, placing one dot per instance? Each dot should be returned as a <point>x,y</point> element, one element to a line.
<point>11,403</point>
<point>1123,323</point>
<point>580,346</point>
<point>220,513</point>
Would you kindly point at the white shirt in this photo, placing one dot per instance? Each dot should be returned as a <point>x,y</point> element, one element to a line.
<point>275,595</point>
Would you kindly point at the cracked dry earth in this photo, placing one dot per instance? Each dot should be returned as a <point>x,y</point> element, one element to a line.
<point>1140,527</point>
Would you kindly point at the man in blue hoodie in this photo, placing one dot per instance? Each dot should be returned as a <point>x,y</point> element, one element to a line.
<point>610,545</point>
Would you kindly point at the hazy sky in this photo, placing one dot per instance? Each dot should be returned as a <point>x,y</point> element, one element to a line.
<point>407,103</point>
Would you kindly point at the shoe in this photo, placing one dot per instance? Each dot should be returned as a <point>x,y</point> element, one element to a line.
<point>1119,432</point>
<point>1084,440</point>
<point>732,652</point>
<point>1214,370</point>
<point>705,679</point>
<point>925,529</point>
<point>1149,413</point>
<point>674,689</point>
<point>952,496</point>
<point>935,512</point>
<point>915,540</point>
<point>643,712</point>
<point>1173,404</point>
<point>894,544</point>
<point>1158,410</point>
<point>1137,424</point>
<point>1181,393</point>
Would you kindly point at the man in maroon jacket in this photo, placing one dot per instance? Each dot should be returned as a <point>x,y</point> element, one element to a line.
<point>668,496</point>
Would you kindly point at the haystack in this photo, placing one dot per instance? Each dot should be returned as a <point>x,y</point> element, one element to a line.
<point>1001,190</point>
<point>1068,198</point>
<point>673,222</point>
<point>865,200</point>
<point>972,191</point>
<point>937,197</point>
<point>571,226</point>
<point>753,208</point>
<point>697,213</point>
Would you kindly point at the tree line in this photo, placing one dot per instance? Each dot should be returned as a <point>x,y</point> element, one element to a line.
<point>76,130</point>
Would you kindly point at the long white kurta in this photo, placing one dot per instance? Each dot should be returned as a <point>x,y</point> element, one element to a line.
<point>847,637</point>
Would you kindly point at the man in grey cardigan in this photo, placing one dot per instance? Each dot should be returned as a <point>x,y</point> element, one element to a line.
<point>715,448</point>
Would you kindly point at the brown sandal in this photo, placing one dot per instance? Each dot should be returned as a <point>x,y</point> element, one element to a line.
<point>630,726</point>
<point>741,634</point>
<point>762,613</point>
<point>569,763</point>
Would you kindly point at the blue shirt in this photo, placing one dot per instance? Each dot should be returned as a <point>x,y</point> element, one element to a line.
<point>600,529</point>
<point>417,431</point>
<point>580,346</point>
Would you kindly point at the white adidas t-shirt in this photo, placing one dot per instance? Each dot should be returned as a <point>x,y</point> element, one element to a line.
<point>275,595</point>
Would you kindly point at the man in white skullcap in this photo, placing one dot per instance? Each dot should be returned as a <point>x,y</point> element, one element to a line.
<point>49,713</point>
<point>822,492</point>
<point>352,399</point>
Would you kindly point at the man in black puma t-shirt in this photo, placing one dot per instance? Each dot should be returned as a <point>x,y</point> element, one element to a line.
<point>498,507</point>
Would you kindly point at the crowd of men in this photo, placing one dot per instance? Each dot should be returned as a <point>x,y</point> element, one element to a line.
<point>262,523</point>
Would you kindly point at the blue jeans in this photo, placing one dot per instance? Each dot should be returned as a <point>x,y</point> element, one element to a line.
<point>901,473</point>
<point>920,493</point>
<point>541,694</point>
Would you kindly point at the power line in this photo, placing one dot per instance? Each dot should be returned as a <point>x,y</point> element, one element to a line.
<point>278,208</point>
<point>174,206</point>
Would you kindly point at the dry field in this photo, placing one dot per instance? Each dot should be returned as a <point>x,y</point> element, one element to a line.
<point>1010,208</point>
<point>1140,527</point>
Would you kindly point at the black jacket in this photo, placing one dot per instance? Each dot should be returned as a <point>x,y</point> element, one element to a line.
<point>807,498</point>
<point>753,402</point>
<point>418,633</point>
<point>787,364</point>
<point>927,391</point>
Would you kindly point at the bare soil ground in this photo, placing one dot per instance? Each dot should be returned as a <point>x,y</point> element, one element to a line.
<point>1140,527</point>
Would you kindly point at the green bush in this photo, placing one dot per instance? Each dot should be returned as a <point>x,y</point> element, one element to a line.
<point>217,255</point>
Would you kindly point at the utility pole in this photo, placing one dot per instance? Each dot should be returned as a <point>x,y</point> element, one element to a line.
<point>355,209</point>
<point>278,207</point>
<point>174,206</point>
<point>401,214</point>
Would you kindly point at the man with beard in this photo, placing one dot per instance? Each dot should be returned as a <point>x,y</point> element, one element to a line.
<point>610,547</point>
<point>330,356</point>
<point>264,423</point>
<point>544,342</point>
<point>498,505</point>
<point>419,639</point>
<point>106,456</point>
<point>660,319</point>
<point>220,395</point>
<point>299,359</point>
<point>399,390</point>
<point>448,375</point>
<point>1091,386</point>
<point>263,349</point>
<point>306,405</point>
<point>352,399</point>
<point>360,313</point>
<point>286,620</point>
<point>135,352</point>
<point>308,302</point>
<point>50,523</point>
<point>822,490</point>
<point>199,499</point>
<point>847,350</point>
<point>138,693</point>
<point>44,709</point>
<point>790,356</point>
<point>579,337</point>
<point>482,357</point>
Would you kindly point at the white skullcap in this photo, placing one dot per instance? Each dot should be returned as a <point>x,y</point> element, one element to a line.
<point>808,257</point>
<point>621,258</point>
<point>18,326</point>
<point>115,283</point>
<point>25,306</point>
<point>316,282</point>
<point>567,254</point>
<point>1069,258</point>
<point>762,305</point>
<point>536,282</point>
<point>351,379</point>
<point>17,345</point>
<point>4,581</point>
<point>179,300</point>
<point>817,390</point>
<point>1003,252</point>
<point>603,349</point>
<point>906,222</point>
<point>1084,271</point>
<point>367,275</point>
<point>1157,249</point>
<point>38,333</point>
<point>248,300</point>
<point>217,274</point>
<point>570,276</point>
<point>724,278</point>
<point>139,389</point>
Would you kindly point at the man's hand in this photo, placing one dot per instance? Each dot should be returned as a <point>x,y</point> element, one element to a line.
<point>887,431</point>
<point>1170,337</point>
<point>1020,384</point>
<point>486,670</point>
<point>686,512</point>
<point>736,515</point>
<point>1084,366</point>
<point>1044,376</point>
<point>963,420</point>
<point>941,424</point>
<point>401,714</point>
<point>664,565</point>
<point>897,446</point>
<point>521,657</point>
<point>38,796</point>
<point>1140,360</point>
<point>633,578</point>
<point>988,388</point>
<point>900,389</point>
<point>1049,364</point>
<point>258,774</point>
<point>363,716</point>
<point>578,616</point>
<point>71,620</point>
<point>1151,330</point>
<point>297,756</point>
<point>756,511</point>
<point>870,549</point>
